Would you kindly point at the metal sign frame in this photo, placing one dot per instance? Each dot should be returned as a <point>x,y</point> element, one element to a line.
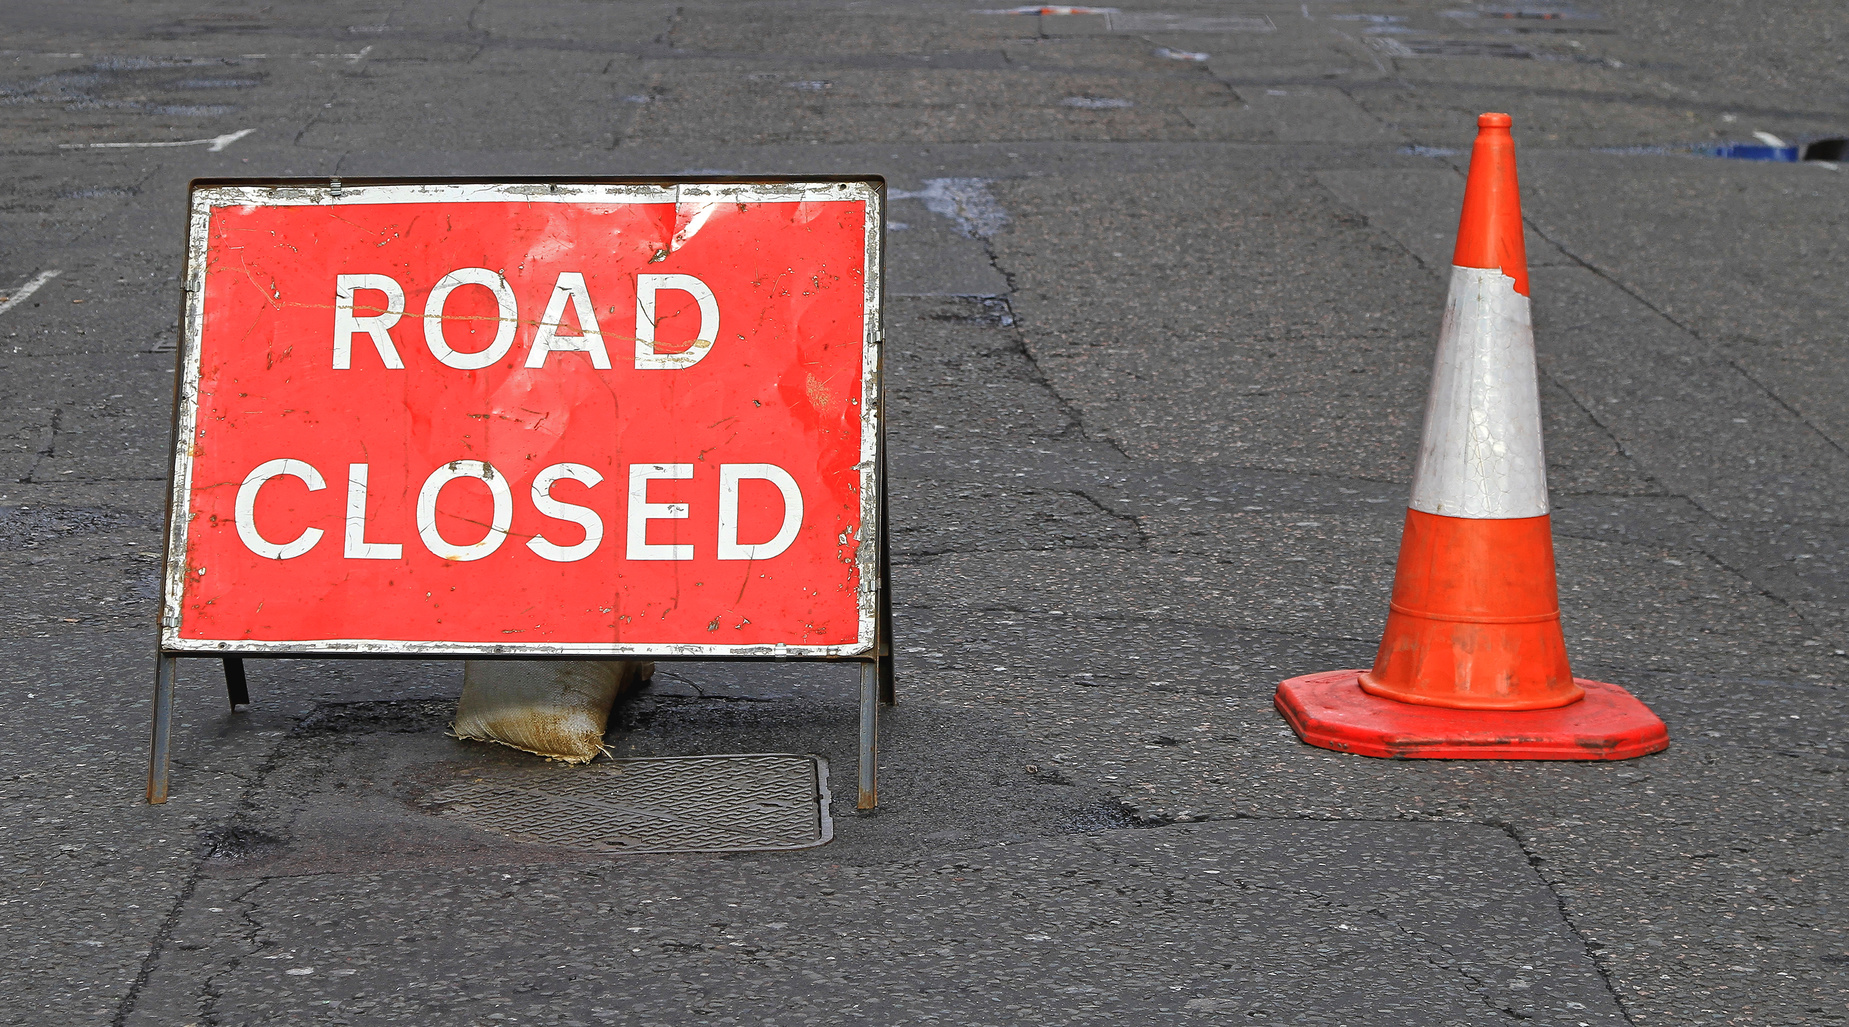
<point>873,645</point>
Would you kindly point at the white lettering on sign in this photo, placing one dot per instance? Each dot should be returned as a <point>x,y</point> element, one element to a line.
<point>729,477</point>
<point>646,357</point>
<point>507,319</point>
<point>427,510</point>
<point>347,321</point>
<point>245,510</point>
<point>583,516</point>
<point>357,546</point>
<point>641,511</point>
<point>569,288</point>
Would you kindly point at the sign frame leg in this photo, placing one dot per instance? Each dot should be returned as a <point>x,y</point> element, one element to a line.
<point>876,684</point>
<point>869,734</point>
<point>237,688</point>
<point>165,666</point>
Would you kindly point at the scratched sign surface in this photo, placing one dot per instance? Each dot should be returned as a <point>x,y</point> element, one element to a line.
<point>514,418</point>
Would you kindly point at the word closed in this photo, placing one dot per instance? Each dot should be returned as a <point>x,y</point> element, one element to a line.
<point>587,418</point>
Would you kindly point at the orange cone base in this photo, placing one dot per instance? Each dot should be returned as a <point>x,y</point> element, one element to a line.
<point>1331,711</point>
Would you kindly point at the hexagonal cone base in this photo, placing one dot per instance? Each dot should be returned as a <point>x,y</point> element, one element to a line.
<point>1330,710</point>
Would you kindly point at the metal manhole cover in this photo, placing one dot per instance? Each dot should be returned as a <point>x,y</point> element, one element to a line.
<point>745,803</point>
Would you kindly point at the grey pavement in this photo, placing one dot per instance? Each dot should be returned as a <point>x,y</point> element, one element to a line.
<point>1164,289</point>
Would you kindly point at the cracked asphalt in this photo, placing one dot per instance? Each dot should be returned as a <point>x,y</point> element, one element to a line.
<point>1163,289</point>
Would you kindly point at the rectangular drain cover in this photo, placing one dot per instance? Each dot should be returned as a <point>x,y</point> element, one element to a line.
<point>756,802</point>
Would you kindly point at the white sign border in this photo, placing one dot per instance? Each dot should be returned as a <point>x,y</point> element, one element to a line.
<point>208,195</point>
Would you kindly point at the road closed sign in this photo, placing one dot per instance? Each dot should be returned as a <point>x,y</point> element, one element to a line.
<point>528,418</point>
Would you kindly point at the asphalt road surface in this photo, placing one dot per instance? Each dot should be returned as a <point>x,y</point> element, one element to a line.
<point>1164,291</point>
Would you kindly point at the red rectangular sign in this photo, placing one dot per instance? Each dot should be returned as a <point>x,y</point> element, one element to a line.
<point>576,417</point>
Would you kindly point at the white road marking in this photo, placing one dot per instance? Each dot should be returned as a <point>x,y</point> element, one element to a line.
<point>243,56</point>
<point>308,56</point>
<point>18,297</point>
<point>1061,9</point>
<point>966,201</point>
<point>213,145</point>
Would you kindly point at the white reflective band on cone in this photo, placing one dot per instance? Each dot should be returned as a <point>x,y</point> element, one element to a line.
<point>1481,455</point>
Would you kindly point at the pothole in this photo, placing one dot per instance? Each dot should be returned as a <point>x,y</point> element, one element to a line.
<point>1825,149</point>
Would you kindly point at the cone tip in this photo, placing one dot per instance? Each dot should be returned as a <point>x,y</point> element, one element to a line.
<point>1489,234</point>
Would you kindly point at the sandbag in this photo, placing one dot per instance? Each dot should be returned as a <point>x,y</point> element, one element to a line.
<point>553,708</point>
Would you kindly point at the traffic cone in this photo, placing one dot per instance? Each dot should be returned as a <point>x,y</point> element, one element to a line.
<point>1472,664</point>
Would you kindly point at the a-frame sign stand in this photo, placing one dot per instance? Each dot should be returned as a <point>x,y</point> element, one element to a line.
<point>253,312</point>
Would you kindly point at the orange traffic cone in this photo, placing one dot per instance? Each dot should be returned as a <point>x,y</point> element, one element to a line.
<point>1472,664</point>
